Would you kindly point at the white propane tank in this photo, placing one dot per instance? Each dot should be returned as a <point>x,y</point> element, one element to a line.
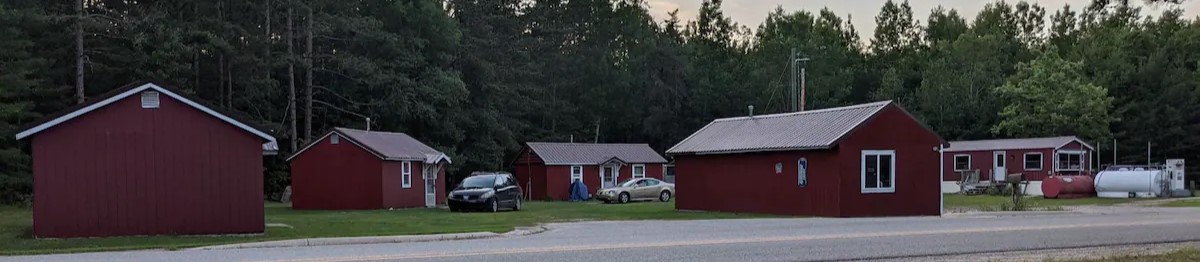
<point>1129,183</point>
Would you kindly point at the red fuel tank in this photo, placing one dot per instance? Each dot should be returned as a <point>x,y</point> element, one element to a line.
<point>1068,187</point>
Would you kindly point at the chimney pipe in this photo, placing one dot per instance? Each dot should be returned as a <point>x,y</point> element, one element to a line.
<point>751,107</point>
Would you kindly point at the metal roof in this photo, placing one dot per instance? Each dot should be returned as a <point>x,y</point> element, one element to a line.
<point>1012,144</point>
<point>385,145</point>
<point>814,129</point>
<point>130,90</point>
<point>593,154</point>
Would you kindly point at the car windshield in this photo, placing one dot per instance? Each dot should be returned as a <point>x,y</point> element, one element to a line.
<point>628,182</point>
<point>485,181</point>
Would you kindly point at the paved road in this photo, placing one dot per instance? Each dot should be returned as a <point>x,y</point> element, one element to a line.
<point>810,239</point>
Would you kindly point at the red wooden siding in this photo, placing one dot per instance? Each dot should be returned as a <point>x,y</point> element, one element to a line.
<point>396,196</point>
<point>126,170</point>
<point>341,176</point>
<point>748,183</point>
<point>1015,163</point>
<point>346,176</point>
<point>554,182</point>
<point>918,187</point>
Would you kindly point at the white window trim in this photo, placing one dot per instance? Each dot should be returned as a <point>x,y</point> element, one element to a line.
<point>1082,154</point>
<point>634,171</point>
<point>954,163</point>
<point>406,174</point>
<point>862,176</point>
<point>575,176</point>
<point>1041,161</point>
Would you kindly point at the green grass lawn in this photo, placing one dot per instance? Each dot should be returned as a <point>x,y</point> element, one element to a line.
<point>1181,255</point>
<point>15,225</point>
<point>957,202</point>
<point>1183,203</point>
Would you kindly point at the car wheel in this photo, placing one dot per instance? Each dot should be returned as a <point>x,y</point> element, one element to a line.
<point>495,205</point>
<point>517,206</point>
<point>623,198</point>
<point>664,196</point>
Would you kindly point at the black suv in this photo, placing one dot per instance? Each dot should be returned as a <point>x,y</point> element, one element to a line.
<point>489,191</point>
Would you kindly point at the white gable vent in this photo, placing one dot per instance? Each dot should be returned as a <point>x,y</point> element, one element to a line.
<point>333,139</point>
<point>150,99</point>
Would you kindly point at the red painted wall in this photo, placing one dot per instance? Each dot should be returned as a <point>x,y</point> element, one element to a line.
<point>125,170</point>
<point>341,176</point>
<point>554,182</point>
<point>983,160</point>
<point>748,183</point>
<point>918,185</point>
<point>345,176</point>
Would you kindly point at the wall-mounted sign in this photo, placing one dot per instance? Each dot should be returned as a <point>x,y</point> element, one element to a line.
<point>802,172</point>
<point>778,168</point>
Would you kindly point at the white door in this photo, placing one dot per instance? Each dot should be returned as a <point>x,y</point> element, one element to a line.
<point>999,173</point>
<point>608,176</point>
<point>431,186</point>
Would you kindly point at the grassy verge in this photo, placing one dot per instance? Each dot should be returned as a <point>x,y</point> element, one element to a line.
<point>955,202</point>
<point>1176,256</point>
<point>1182,203</point>
<point>15,225</point>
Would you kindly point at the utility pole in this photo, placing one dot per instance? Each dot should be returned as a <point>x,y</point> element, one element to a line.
<point>792,90</point>
<point>798,63</point>
<point>79,54</point>
<point>1114,151</point>
<point>1147,153</point>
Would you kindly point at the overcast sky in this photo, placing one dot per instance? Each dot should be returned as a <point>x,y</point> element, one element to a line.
<point>751,13</point>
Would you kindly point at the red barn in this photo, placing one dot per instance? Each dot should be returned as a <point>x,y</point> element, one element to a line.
<point>546,170</point>
<point>145,160</point>
<point>1036,158</point>
<point>357,169</point>
<point>864,160</point>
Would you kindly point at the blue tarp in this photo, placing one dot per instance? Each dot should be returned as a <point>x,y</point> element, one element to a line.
<point>579,191</point>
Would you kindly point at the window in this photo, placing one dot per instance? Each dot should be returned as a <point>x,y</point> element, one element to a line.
<point>334,139</point>
<point>639,171</point>
<point>501,181</point>
<point>878,171</point>
<point>1033,161</point>
<point>1069,161</point>
<point>576,173</point>
<point>406,174</point>
<point>642,183</point>
<point>802,172</point>
<point>962,162</point>
<point>150,99</point>
<point>652,182</point>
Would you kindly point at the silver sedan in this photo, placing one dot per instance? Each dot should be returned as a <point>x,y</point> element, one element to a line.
<point>637,189</point>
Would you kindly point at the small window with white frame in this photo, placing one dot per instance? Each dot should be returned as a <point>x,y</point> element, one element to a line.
<point>576,173</point>
<point>334,139</point>
<point>962,162</point>
<point>1068,160</point>
<point>406,174</point>
<point>878,171</point>
<point>639,171</point>
<point>1033,161</point>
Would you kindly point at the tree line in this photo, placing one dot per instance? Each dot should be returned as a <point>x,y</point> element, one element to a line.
<point>478,78</point>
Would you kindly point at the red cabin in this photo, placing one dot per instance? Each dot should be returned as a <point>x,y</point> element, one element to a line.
<point>864,160</point>
<point>357,169</point>
<point>1035,158</point>
<point>546,170</point>
<point>145,160</point>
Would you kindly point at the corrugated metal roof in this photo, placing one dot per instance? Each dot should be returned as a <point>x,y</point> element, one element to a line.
<point>385,145</point>
<point>1010,144</point>
<point>591,154</point>
<point>391,146</point>
<point>788,131</point>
